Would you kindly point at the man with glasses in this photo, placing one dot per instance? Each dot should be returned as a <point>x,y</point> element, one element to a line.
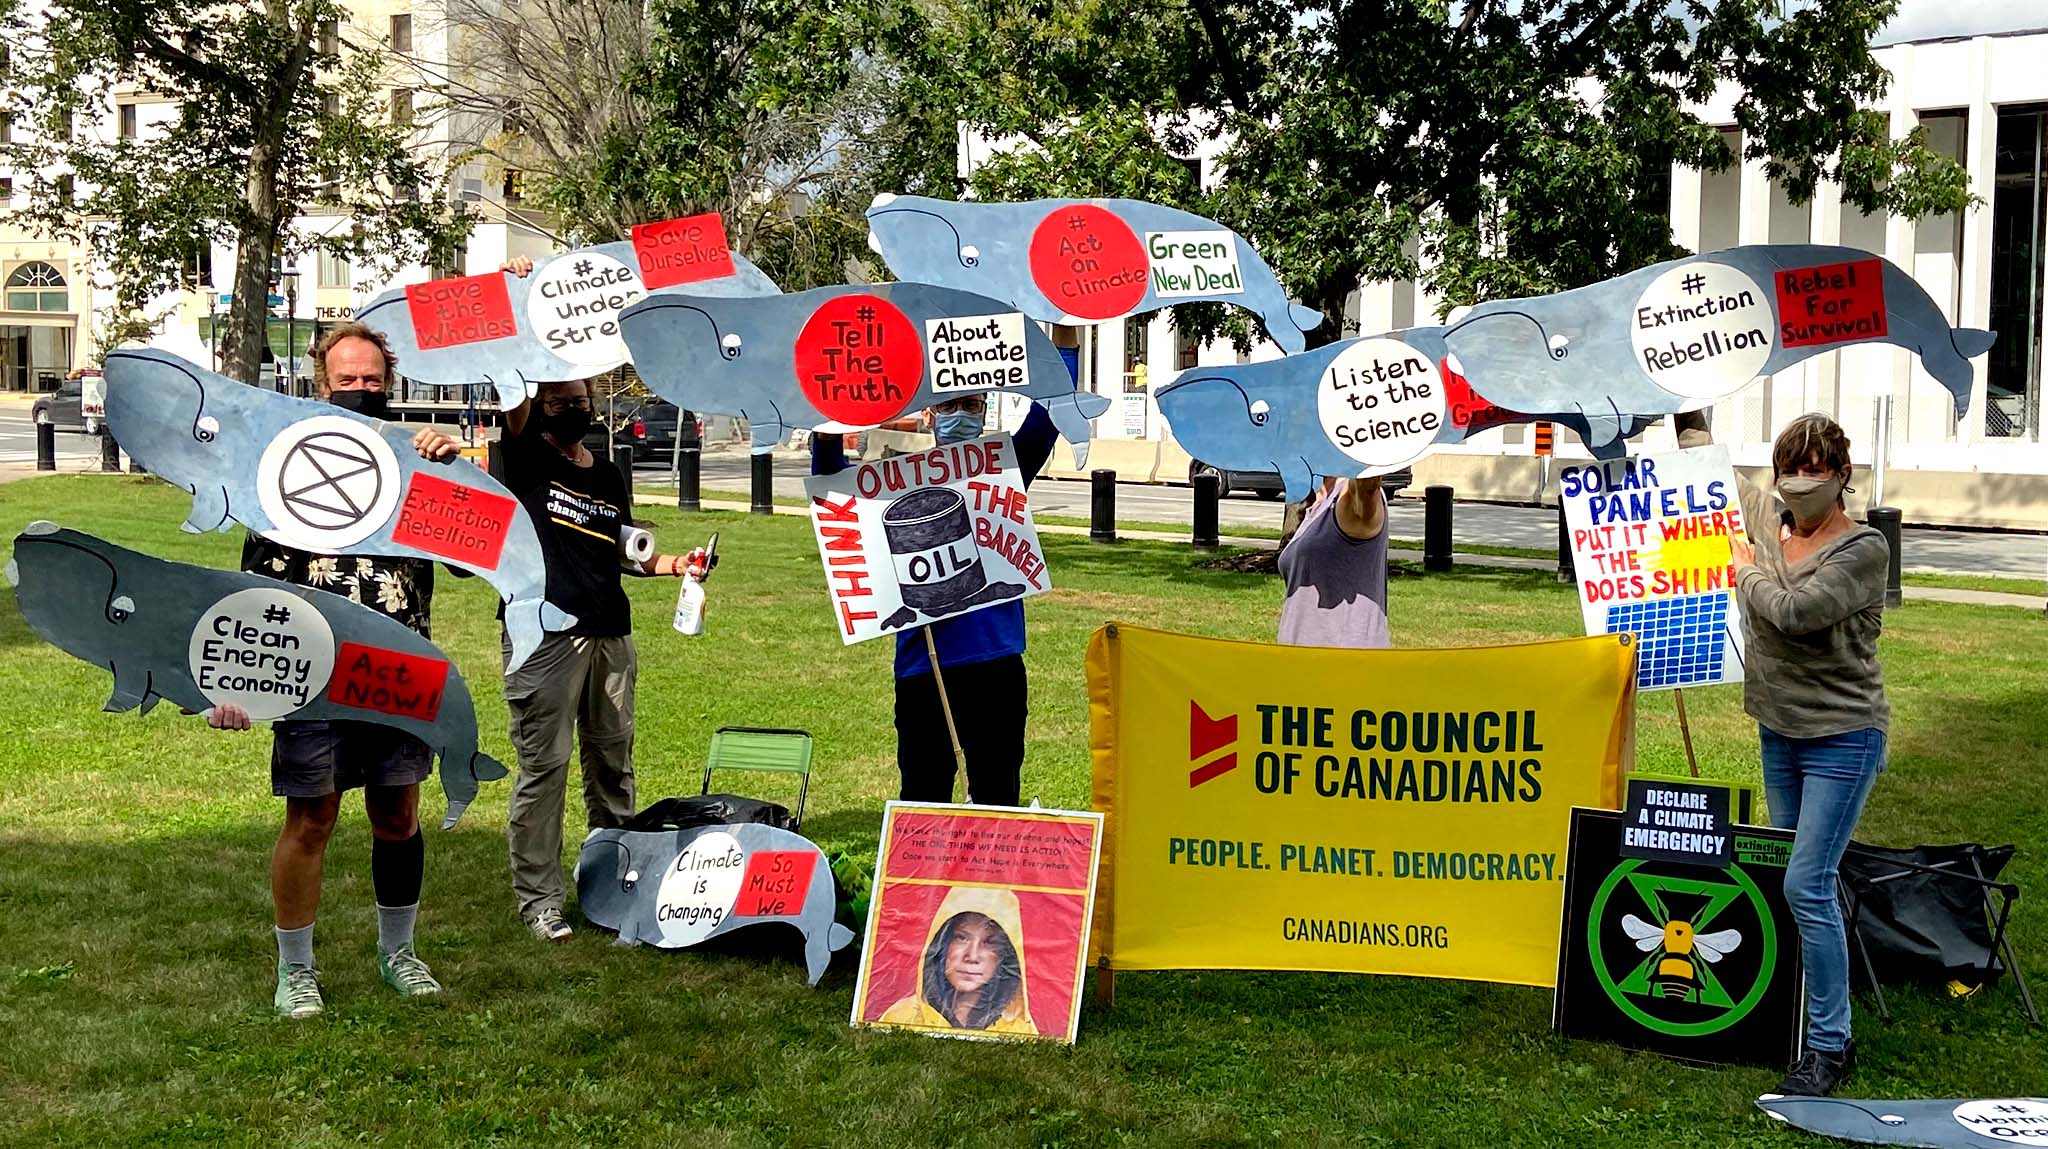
<point>578,686</point>
<point>982,655</point>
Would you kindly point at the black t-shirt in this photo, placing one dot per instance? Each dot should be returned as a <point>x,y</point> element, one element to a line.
<point>578,512</point>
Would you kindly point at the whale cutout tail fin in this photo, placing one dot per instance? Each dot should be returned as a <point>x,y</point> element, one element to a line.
<point>527,621</point>
<point>1971,342</point>
<point>1306,319</point>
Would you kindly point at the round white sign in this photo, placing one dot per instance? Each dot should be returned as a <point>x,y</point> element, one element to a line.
<point>265,649</point>
<point>1381,402</point>
<point>2013,1121</point>
<point>1702,330</point>
<point>573,308</point>
<point>699,888</point>
<point>327,483</point>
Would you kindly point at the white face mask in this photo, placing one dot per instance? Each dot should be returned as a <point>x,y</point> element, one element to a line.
<point>1809,500</point>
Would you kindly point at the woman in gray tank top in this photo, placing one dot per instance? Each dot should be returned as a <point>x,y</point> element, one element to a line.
<point>1335,569</point>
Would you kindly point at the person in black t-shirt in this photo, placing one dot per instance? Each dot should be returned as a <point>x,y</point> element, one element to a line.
<point>578,684</point>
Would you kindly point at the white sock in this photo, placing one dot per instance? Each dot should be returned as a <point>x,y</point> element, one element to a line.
<point>295,947</point>
<point>394,926</point>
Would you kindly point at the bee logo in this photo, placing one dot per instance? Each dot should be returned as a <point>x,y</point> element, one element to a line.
<point>1675,945</point>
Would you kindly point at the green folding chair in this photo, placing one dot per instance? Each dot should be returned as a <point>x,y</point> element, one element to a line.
<point>763,748</point>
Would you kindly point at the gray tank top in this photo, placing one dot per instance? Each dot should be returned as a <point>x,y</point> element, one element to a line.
<point>1336,585</point>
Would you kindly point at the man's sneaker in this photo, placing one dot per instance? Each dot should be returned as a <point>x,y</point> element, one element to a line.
<point>1818,1072</point>
<point>298,991</point>
<point>548,926</point>
<point>405,972</point>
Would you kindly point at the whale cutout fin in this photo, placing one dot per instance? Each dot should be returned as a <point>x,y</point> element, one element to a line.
<point>1306,319</point>
<point>485,768</point>
<point>128,693</point>
<point>838,937</point>
<point>1298,477</point>
<point>209,511</point>
<point>527,621</point>
<point>1971,342</point>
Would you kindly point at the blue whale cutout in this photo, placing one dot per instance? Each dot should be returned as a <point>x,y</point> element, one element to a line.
<point>1677,336</point>
<point>145,620</point>
<point>741,357</point>
<point>620,876</point>
<point>1082,261</point>
<point>350,485</point>
<point>513,363</point>
<point>1952,1124</point>
<point>1271,415</point>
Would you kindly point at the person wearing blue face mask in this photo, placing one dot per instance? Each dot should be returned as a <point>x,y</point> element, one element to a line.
<point>981,655</point>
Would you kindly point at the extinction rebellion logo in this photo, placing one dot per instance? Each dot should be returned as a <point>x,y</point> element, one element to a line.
<point>1681,954</point>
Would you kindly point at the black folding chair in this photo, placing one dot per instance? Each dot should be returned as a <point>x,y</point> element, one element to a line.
<point>1859,885</point>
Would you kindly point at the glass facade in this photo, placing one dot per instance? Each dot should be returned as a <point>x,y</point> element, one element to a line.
<point>2019,212</point>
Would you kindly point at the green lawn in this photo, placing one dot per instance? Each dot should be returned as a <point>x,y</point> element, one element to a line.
<point>136,960</point>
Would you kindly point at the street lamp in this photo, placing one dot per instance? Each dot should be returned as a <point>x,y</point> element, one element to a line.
<point>290,279</point>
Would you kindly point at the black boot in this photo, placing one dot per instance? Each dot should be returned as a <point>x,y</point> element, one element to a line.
<point>1818,1072</point>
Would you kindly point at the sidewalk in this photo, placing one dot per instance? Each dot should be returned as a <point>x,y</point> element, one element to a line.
<point>1512,562</point>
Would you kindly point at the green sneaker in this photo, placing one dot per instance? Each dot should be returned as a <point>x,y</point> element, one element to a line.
<point>405,972</point>
<point>298,991</point>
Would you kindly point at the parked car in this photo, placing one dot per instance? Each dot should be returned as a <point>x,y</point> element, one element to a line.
<point>63,408</point>
<point>1267,484</point>
<point>649,428</point>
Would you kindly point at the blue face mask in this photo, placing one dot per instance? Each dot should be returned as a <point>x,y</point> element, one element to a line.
<point>956,426</point>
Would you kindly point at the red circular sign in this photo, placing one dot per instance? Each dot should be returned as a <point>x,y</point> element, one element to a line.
<point>1088,262</point>
<point>859,360</point>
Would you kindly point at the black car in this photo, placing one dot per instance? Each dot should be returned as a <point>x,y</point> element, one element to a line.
<point>648,426</point>
<point>63,408</point>
<point>1267,484</point>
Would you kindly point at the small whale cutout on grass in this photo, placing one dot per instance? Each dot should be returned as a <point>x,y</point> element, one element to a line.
<point>849,357</point>
<point>317,478</point>
<point>677,888</point>
<point>1357,407</point>
<point>199,637</point>
<point>559,322</point>
<point>1082,261</point>
<point>1680,335</point>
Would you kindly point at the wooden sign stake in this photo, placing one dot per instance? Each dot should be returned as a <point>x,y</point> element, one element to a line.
<point>1684,729</point>
<point>931,648</point>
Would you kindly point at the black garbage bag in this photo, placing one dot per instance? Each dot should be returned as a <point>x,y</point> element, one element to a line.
<point>710,810</point>
<point>1924,928</point>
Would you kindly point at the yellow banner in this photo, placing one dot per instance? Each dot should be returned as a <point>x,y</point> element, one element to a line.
<point>1307,808</point>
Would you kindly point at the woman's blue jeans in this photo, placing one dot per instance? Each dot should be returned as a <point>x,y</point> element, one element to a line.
<point>1816,786</point>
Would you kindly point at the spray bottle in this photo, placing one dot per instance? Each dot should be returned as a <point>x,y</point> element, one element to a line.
<point>690,600</point>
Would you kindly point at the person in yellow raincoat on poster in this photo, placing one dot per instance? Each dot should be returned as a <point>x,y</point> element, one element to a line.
<point>972,976</point>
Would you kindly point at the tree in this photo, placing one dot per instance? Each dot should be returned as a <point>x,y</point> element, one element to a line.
<point>269,123</point>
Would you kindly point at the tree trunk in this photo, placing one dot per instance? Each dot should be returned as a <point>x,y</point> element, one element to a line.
<point>248,325</point>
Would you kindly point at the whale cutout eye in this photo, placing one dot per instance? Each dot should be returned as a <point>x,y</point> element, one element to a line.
<point>1560,346</point>
<point>121,608</point>
<point>730,346</point>
<point>207,429</point>
<point>1260,409</point>
<point>970,255</point>
<point>1891,1119</point>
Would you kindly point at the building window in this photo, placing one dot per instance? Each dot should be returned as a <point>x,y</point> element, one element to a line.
<point>330,37</point>
<point>128,127</point>
<point>199,267</point>
<point>401,107</point>
<point>2019,215</point>
<point>37,287</point>
<point>401,33</point>
<point>333,270</point>
<point>515,185</point>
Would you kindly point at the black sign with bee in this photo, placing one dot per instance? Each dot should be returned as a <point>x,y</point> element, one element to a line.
<point>1693,961</point>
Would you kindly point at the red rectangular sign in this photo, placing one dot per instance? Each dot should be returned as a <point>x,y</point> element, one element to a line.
<point>387,681</point>
<point>450,312</point>
<point>1832,303</point>
<point>682,250</point>
<point>775,883</point>
<point>454,521</point>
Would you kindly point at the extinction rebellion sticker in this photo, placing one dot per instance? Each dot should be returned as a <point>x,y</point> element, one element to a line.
<point>1702,330</point>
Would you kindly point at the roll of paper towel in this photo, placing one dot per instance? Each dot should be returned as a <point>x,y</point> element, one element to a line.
<point>635,545</point>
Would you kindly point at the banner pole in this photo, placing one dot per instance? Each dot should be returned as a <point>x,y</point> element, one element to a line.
<point>931,648</point>
<point>1684,728</point>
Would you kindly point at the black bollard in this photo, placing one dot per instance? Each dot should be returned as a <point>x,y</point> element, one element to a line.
<point>46,446</point>
<point>1567,570</point>
<point>689,477</point>
<point>1886,520</point>
<point>1208,494</point>
<point>764,484</point>
<point>110,451</point>
<point>1102,506</point>
<point>494,459</point>
<point>622,458</point>
<point>1436,528</point>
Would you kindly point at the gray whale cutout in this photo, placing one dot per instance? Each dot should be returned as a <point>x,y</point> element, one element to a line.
<point>513,365</point>
<point>1931,1124</point>
<point>985,248</point>
<point>618,882</point>
<point>133,615</point>
<point>738,357</point>
<point>206,433</point>
<point>1572,352</point>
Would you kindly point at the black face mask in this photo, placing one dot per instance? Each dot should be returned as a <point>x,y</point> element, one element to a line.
<point>375,404</point>
<point>565,427</point>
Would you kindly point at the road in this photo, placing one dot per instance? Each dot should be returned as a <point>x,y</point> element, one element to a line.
<point>75,452</point>
<point>2007,554</point>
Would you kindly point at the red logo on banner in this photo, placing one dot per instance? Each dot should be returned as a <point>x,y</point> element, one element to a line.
<point>387,681</point>
<point>1089,262</point>
<point>1205,736</point>
<point>1469,409</point>
<point>682,250</point>
<point>775,884</point>
<point>859,360</point>
<point>454,521</point>
<point>450,312</point>
<point>1832,303</point>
